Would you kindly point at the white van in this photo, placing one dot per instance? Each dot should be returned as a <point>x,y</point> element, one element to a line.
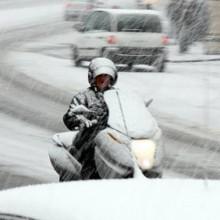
<point>126,36</point>
<point>73,9</point>
<point>119,4</point>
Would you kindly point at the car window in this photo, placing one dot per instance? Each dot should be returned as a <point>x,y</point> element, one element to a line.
<point>138,23</point>
<point>98,21</point>
<point>90,21</point>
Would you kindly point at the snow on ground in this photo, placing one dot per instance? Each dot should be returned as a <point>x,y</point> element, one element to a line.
<point>196,52</point>
<point>186,94</point>
<point>24,149</point>
<point>23,17</point>
<point>177,95</point>
<point>116,199</point>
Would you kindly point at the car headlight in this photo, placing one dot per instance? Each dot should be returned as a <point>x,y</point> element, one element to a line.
<point>144,152</point>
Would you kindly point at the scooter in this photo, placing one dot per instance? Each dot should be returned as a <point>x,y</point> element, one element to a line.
<point>130,124</point>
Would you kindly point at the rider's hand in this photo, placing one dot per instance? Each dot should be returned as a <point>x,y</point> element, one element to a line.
<point>84,121</point>
<point>71,111</point>
<point>78,109</point>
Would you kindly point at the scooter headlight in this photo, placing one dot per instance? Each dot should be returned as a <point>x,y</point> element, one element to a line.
<point>144,152</point>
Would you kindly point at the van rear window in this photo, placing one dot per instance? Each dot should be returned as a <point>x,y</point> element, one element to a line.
<point>138,23</point>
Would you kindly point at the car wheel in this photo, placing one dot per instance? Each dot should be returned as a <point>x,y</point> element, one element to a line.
<point>152,174</point>
<point>161,66</point>
<point>77,61</point>
<point>109,55</point>
<point>66,17</point>
<point>106,54</point>
<point>130,65</point>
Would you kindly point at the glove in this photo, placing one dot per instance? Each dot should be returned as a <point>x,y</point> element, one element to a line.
<point>85,122</point>
<point>78,109</point>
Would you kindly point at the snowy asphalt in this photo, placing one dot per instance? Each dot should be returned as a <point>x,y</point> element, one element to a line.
<point>52,100</point>
<point>12,4</point>
<point>35,102</point>
<point>23,145</point>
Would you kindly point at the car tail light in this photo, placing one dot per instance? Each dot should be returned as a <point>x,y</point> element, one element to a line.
<point>165,40</point>
<point>89,7</point>
<point>68,5</point>
<point>112,39</point>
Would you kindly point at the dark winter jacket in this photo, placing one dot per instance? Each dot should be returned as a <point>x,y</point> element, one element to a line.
<point>94,101</point>
<point>83,145</point>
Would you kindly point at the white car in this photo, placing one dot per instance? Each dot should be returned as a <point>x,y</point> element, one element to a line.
<point>126,36</point>
<point>74,9</point>
<point>166,199</point>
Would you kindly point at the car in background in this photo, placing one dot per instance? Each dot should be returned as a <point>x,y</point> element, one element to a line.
<point>162,199</point>
<point>74,9</point>
<point>116,4</point>
<point>126,36</point>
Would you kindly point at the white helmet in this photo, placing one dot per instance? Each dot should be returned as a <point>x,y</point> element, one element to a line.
<point>99,66</point>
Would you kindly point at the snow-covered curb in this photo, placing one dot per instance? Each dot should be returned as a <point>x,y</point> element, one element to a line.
<point>190,60</point>
<point>196,53</point>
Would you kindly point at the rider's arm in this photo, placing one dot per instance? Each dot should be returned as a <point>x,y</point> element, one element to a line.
<point>70,119</point>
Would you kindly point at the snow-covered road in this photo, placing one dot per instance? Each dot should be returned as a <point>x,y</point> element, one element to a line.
<point>23,153</point>
<point>24,157</point>
<point>38,79</point>
<point>12,4</point>
<point>47,61</point>
<point>13,18</point>
<point>187,93</point>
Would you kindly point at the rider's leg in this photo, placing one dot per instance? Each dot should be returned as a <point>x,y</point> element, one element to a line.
<point>84,145</point>
<point>112,155</point>
<point>64,163</point>
<point>89,170</point>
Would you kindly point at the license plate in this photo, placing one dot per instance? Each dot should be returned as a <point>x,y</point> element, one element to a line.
<point>89,52</point>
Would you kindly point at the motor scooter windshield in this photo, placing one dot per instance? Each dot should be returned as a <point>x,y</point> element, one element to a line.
<point>129,115</point>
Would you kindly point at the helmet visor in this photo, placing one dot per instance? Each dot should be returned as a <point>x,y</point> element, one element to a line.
<point>103,82</point>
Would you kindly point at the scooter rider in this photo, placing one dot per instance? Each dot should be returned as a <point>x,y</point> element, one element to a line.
<point>88,113</point>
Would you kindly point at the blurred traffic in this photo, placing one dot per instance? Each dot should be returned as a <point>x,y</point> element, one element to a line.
<point>75,9</point>
<point>125,36</point>
<point>185,22</point>
<point>127,32</point>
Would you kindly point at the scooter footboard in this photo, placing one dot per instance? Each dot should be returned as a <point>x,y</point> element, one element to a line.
<point>63,162</point>
<point>64,139</point>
